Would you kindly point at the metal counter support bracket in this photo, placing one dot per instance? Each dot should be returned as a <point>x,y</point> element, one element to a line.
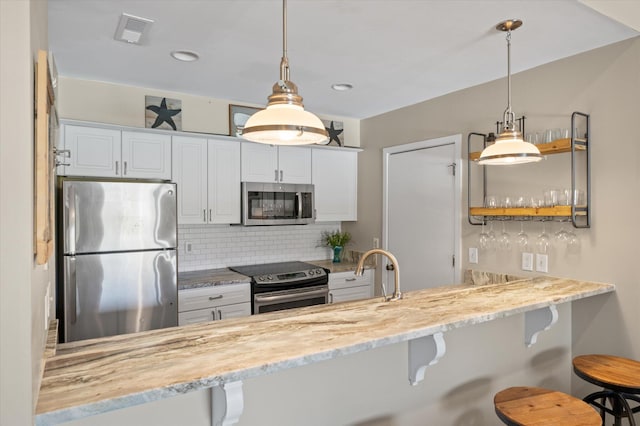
<point>423,352</point>
<point>537,321</point>
<point>227,404</point>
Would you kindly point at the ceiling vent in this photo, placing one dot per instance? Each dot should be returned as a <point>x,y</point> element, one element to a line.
<point>132,29</point>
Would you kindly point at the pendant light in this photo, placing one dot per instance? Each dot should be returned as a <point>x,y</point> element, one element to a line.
<point>509,147</point>
<point>284,121</point>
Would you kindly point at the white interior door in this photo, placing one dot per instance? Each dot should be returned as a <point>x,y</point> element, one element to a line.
<point>421,212</point>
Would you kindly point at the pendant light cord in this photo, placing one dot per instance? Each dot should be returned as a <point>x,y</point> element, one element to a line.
<point>284,63</point>
<point>509,117</point>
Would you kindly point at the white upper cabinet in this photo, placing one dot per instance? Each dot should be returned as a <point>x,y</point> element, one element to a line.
<point>146,155</point>
<point>335,178</point>
<point>268,163</point>
<point>190,174</point>
<point>95,151</point>
<point>91,151</point>
<point>207,173</point>
<point>224,181</point>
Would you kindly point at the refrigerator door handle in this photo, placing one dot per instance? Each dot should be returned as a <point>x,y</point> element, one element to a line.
<point>72,214</point>
<point>70,280</point>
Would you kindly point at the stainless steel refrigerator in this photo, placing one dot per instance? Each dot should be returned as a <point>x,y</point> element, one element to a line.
<point>117,270</point>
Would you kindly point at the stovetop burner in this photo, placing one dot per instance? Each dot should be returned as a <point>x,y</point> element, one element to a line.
<point>281,273</point>
<point>272,268</point>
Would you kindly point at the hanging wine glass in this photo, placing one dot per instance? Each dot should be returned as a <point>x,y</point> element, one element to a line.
<point>491,236</point>
<point>543,242</point>
<point>562,235</point>
<point>483,239</point>
<point>522,239</point>
<point>504,240</point>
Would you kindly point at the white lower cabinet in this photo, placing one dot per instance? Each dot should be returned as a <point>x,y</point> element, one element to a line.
<point>214,303</point>
<point>345,286</point>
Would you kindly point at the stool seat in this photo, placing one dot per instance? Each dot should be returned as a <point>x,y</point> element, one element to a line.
<point>608,371</point>
<point>620,379</point>
<point>524,406</point>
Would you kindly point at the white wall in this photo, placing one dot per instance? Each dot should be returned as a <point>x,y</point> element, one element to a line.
<point>23,29</point>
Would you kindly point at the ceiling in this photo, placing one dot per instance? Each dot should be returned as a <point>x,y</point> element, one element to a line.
<point>395,53</point>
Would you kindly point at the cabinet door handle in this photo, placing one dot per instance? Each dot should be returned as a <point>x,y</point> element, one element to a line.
<point>117,168</point>
<point>213,314</point>
<point>220,296</point>
<point>219,314</point>
<point>350,279</point>
<point>281,178</point>
<point>209,215</point>
<point>124,168</point>
<point>330,297</point>
<point>275,175</point>
<point>204,215</point>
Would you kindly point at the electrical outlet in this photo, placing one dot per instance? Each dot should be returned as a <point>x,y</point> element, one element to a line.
<point>376,243</point>
<point>188,247</point>
<point>527,261</point>
<point>473,255</point>
<point>542,262</point>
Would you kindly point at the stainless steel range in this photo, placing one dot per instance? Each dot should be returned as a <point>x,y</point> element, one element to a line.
<point>285,285</point>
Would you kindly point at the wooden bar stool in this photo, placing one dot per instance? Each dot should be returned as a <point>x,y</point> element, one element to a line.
<point>525,406</point>
<point>620,378</point>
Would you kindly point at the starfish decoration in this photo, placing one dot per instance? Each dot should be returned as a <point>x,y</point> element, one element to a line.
<point>164,114</point>
<point>333,134</point>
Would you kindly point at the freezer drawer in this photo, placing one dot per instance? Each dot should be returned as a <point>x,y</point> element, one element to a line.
<point>117,293</point>
<point>118,216</point>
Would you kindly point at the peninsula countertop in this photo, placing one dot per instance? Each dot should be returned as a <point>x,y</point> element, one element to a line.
<point>94,376</point>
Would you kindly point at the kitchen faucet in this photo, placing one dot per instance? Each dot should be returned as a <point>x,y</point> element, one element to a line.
<point>360,270</point>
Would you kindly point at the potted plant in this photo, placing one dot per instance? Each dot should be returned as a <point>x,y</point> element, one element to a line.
<point>336,240</point>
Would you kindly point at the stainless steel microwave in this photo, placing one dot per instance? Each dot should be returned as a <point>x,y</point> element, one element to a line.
<point>277,204</point>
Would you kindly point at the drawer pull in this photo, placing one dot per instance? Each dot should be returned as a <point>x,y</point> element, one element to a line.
<point>216,297</point>
<point>350,279</point>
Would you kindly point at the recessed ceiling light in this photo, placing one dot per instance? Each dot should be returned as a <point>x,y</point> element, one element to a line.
<point>342,87</point>
<point>185,55</point>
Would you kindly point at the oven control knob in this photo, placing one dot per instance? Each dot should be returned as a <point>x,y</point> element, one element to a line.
<point>319,271</point>
<point>261,278</point>
<point>269,277</point>
<point>311,272</point>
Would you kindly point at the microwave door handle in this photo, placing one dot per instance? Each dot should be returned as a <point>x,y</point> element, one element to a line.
<point>299,198</point>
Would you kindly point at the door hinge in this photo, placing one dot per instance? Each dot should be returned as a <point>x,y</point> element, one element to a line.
<point>453,168</point>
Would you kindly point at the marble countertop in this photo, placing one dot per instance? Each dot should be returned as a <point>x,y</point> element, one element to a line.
<point>93,376</point>
<point>209,277</point>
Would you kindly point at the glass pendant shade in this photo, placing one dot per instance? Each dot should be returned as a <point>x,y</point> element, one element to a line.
<point>284,124</point>
<point>510,148</point>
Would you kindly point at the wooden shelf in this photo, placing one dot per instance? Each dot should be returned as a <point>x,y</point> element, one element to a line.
<point>558,146</point>
<point>557,211</point>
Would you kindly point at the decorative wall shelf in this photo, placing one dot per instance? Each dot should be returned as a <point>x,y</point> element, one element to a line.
<point>580,215</point>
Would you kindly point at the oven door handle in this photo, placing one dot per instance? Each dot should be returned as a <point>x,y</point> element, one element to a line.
<point>299,202</point>
<point>290,297</point>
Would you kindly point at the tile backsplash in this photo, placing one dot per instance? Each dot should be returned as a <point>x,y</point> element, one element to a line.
<point>219,246</point>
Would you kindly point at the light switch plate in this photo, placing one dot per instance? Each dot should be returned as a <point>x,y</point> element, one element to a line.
<point>473,255</point>
<point>527,261</point>
<point>188,247</point>
<point>542,262</point>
